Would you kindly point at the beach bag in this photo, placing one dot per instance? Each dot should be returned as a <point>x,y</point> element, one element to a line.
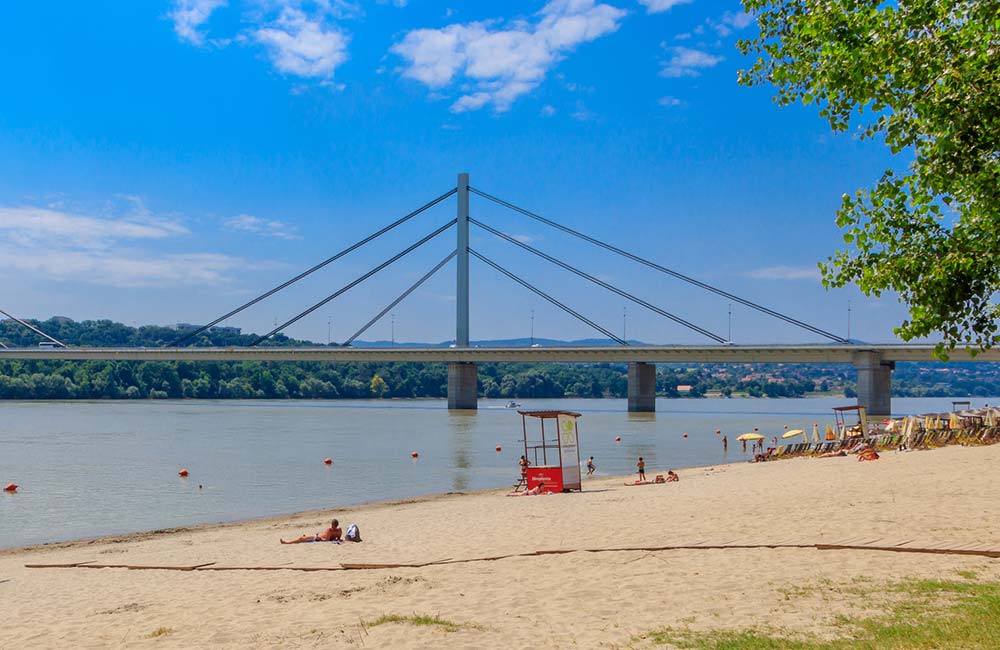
<point>353,534</point>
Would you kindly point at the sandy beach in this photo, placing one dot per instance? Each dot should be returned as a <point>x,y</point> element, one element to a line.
<point>944,497</point>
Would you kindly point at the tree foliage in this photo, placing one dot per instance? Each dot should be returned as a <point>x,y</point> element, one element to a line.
<point>923,75</point>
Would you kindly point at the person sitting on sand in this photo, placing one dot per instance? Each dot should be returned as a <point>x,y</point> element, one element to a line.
<point>641,465</point>
<point>672,476</point>
<point>331,534</point>
<point>590,466</point>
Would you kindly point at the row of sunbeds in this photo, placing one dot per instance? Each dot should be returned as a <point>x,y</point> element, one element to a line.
<point>917,440</point>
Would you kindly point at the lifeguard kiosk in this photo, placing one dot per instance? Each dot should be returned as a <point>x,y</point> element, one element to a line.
<point>555,456</point>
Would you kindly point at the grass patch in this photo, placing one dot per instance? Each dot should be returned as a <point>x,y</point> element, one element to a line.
<point>932,614</point>
<point>422,619</point>
<point>158,632</point>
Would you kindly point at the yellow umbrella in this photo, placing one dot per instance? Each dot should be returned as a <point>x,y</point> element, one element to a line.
<point>793,433</point>
<point>750,436</point>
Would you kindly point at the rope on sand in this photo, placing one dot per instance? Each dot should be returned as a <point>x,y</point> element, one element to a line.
<point>845,545</point>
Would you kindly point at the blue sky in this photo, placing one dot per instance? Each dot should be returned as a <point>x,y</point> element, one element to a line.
<point>162,162</point>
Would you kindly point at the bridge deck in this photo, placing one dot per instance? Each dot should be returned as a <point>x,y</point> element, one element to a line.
<point>820,353</point>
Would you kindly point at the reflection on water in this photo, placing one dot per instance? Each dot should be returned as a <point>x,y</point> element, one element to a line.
<point>461,424</point>
<point>92,468</point>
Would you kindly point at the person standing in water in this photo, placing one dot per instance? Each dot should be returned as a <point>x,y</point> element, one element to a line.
<point>725,444</point>
<point>590,466</point>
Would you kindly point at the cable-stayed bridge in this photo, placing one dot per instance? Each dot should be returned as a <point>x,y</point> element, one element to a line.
<point>874,362</point>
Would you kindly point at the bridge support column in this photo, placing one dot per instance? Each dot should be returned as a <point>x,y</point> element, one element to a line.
<point>463,378</point>
<point>641,387</point>
<point>874,383</point>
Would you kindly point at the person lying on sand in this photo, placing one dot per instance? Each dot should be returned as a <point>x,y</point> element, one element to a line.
<point>832,454</point>
<point>331,534</point>
<point>867,454</point>
<point>535,491</point>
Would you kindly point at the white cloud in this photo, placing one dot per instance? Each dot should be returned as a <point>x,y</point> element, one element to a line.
<point>69,247</point>
<point>785,273</point>
<point>669,101</point>
<point>503,63</point>
<point>189,15</point>
<point>730,22</point>
<point>685,62</point>
<point>738,20</point>
<point>30,226</point>
<point>548,110</point>
<point>303,45</point>
<point>659,6</point>
<point>258,226</point>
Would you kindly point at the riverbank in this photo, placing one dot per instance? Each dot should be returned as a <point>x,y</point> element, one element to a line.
<point>576,599</point>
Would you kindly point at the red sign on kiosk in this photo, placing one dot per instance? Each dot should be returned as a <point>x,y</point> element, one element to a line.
<point>549,477</point>
<point>554,458</point>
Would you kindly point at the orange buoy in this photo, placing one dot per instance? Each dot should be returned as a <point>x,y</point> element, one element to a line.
<point>328,461</point>
<point>499,449</point>
<point>718,432</point>
<point>414,454</point>
<point>10,487</point>
<point>618,438</point>
<point>183,472</point>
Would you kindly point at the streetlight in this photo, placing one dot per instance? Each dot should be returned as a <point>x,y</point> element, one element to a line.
<point>329,324</point>
<point>848,321</point>
<point>532,327</point>
<point>392,327</point>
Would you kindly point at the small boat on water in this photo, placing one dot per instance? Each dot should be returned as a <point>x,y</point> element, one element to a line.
<point>513,405</point>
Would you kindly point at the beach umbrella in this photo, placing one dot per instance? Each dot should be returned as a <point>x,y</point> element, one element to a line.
<point>793,433</point>
<point>815,432</point>
<point>750,436</point>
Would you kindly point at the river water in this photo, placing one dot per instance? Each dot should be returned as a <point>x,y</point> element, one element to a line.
<point>97,468</point>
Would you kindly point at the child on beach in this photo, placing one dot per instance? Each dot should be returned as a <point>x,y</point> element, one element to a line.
<point>672,476</point>
<point>590,466</point>
<point>642,469</point>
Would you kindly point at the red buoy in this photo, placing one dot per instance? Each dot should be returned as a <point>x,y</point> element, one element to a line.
<point>618,438</point>
<point>414,454</point>
<point>10,487</point>
<point>498,449</point>
<point>718,432</point>
<point>684,435</point>
<point>328,461</point>
<point>183,472</point>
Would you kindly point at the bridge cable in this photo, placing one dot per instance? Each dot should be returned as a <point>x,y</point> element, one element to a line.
<point>355,282</point>
<point>662,269</point>
<point>530,287</point>
<point>322,264</point>
<point>609,287</point>
<point>401,297</point>
<point>33,329</point>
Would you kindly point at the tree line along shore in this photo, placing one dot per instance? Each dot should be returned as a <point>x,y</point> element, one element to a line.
<point>31,379</point>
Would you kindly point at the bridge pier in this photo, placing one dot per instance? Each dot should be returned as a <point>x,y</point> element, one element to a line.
<point>463,380</point>
<point>874,383</point>
<point>641,387</point>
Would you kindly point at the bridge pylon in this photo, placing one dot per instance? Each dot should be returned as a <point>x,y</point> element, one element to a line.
<point>641,387</point>
<point>463,377</point>
<point>874,383</point>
